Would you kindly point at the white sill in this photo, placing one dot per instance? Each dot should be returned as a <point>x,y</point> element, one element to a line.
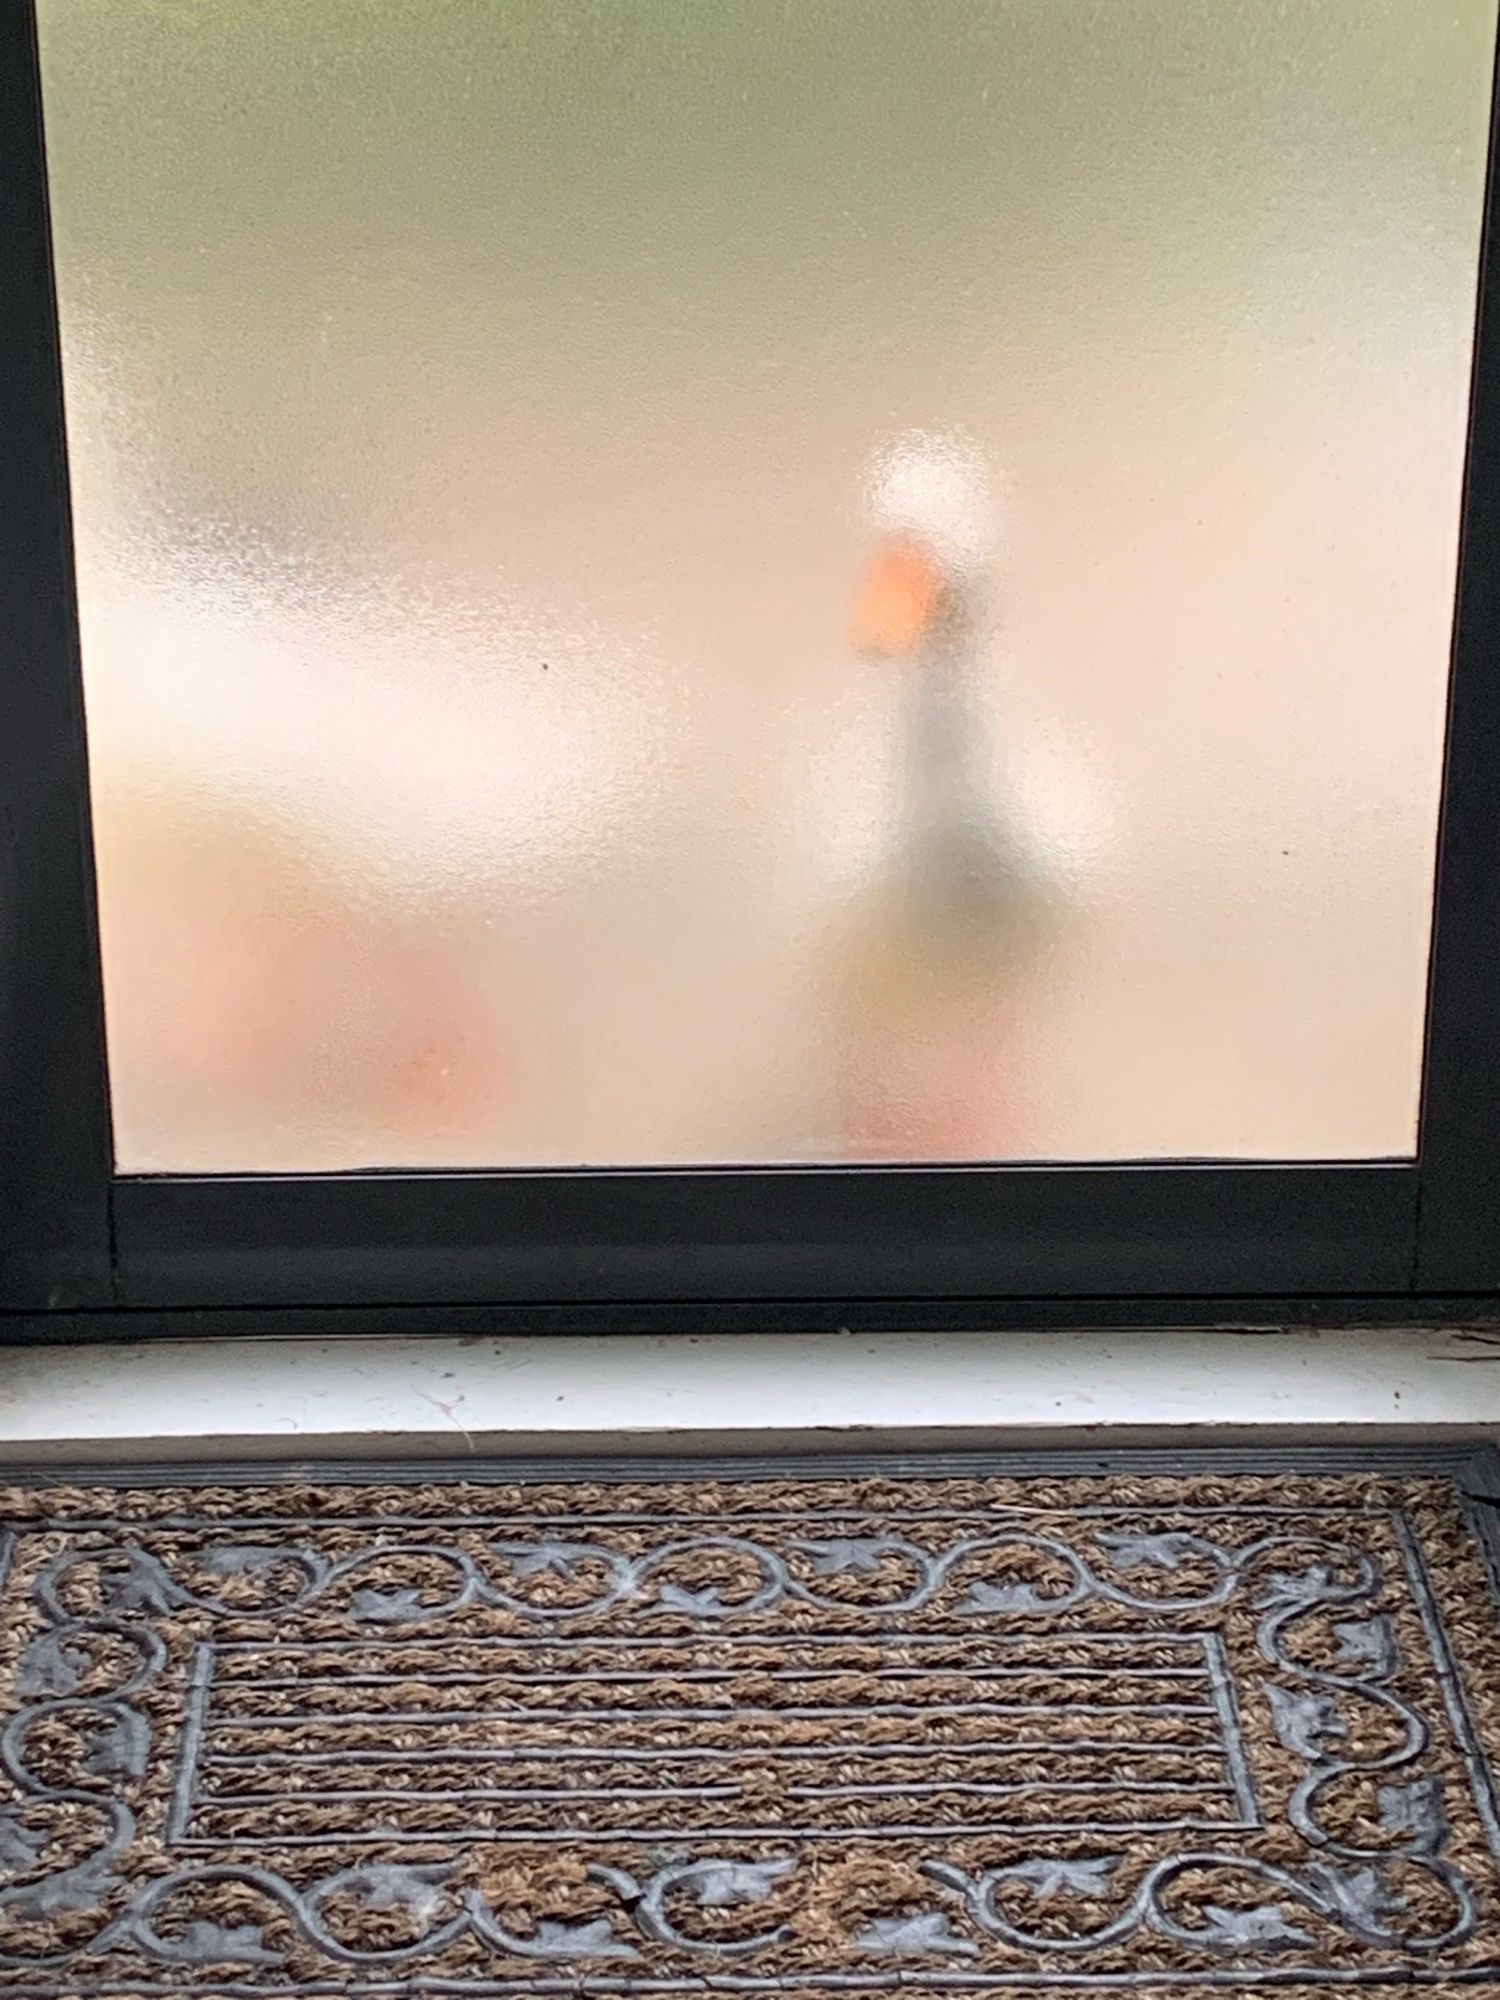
<point>292,1399</point>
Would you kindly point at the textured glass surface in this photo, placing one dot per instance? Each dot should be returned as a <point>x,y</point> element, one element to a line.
<point>766,580</point>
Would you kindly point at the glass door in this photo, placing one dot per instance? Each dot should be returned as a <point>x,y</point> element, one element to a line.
<point>748,627</point>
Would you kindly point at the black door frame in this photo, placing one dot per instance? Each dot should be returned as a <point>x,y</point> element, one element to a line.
<point>86,1254</point>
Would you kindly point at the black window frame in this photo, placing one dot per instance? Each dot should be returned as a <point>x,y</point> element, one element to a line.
<point>84,1253</point>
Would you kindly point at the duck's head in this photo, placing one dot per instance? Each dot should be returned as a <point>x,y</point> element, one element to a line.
<point>937,532</point>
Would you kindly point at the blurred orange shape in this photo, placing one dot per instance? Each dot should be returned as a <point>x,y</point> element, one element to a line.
<point>899,602</point>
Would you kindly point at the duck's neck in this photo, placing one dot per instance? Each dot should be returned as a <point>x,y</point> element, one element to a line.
<point>940,748</point>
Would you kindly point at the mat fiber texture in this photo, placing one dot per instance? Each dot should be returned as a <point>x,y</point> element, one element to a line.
<point>944,1731</point>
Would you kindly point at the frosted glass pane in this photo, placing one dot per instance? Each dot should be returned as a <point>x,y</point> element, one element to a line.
<point>747,581</point>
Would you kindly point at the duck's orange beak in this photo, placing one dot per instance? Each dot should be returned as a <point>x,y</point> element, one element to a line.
<point>899,603</point>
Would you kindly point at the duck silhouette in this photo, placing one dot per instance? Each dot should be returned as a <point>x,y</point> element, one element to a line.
<point>937,951</point>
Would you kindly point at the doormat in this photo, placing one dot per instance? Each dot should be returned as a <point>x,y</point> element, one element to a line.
<point>938,1728</point>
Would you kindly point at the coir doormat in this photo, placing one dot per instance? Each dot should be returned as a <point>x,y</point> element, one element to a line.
<point>942,1729</point>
